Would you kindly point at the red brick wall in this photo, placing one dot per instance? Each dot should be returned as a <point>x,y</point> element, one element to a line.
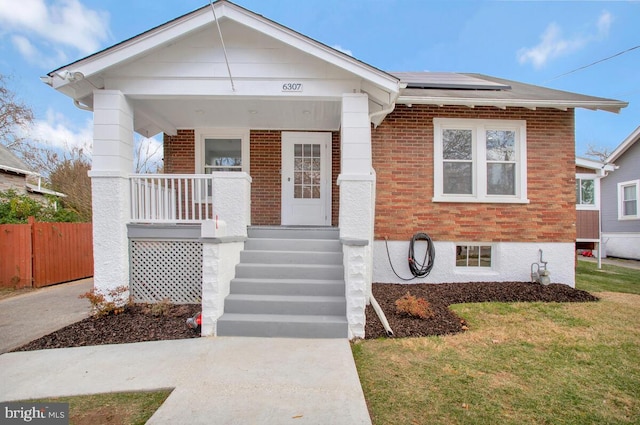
<point>335,171</point>
<point>403,159</point>
<point>180,153</point>
<point>265,175</point>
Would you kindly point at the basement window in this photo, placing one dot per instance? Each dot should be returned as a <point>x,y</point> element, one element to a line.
<point>473,256</point>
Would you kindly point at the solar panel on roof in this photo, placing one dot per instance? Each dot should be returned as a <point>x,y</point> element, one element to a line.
<point>447,80</point>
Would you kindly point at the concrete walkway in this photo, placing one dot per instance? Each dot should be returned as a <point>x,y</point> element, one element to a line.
<point>215,380</point>
<point>30,316</point>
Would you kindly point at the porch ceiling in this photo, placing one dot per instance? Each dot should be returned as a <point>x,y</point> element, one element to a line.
<point>152,116</point>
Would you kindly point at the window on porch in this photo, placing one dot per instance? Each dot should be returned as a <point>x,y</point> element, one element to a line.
<point>222,155</point>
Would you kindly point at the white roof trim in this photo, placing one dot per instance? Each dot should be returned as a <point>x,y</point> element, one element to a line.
<point>598,166</point>
<point>612,106</point>
<point>197,19</point>
<point>626,144</point>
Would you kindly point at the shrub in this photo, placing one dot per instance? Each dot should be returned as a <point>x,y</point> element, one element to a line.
<point>113,302</point>
<point>16,208</point>
<point>161,308</point>
<point>415,307</point>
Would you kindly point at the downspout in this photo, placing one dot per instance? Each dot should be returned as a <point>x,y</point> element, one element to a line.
<point>372,300</point>
<point>381,316</point>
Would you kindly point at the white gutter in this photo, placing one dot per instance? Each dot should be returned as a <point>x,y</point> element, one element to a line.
<point>382,113</point>
<point>81,106</point>
<point>612,106</point>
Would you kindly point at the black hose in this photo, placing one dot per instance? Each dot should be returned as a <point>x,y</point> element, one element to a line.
<point>417,269</point>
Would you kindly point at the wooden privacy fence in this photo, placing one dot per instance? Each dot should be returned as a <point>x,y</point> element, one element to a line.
<point>42,254</point>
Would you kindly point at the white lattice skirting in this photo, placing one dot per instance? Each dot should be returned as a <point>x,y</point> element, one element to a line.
<point>166,270</point>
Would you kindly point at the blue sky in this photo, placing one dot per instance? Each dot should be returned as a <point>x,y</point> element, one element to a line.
<point>533,42</point>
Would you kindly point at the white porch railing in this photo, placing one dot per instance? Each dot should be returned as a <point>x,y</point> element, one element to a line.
<point>171,198</point>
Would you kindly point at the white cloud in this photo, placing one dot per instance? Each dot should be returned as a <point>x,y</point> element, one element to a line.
<point>604,23</point>
<point>58,132</point>
<point>50,26</point>
<point>553,44</point>
<point>342,49</point>
<point>24,46</point>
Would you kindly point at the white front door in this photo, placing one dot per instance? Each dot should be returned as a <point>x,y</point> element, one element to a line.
<point>306,178</point>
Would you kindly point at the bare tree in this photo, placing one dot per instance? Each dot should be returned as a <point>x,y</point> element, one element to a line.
<point>146,156</point>
<point>601,154</point>
<point>69,175</point>
<point>13,114</point>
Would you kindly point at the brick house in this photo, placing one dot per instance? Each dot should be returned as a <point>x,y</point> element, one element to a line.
<point>290,167</point>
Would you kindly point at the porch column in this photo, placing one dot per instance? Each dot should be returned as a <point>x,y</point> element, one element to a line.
<point>112,163</point>
<point>222,241</point>
<point>357,207</point>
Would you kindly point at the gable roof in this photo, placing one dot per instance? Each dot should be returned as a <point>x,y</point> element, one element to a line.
<point>168,32</point>
<point>10,162</point>
<point>625,145</point>
<point>482,90</point>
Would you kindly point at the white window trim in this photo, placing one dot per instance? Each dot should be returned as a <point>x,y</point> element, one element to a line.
<point>222,133</point>
<point>596,188</point>
<point>621,187</point>
<point>479,128</point>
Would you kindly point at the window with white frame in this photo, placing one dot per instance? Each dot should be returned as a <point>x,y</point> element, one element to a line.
<point>473,256</point>
<point>480,161</point>
<point>222,150</point>
<point>628,196</point>
<point>587,192</point>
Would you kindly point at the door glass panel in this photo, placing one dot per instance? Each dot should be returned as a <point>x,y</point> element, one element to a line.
<point>307,165</point>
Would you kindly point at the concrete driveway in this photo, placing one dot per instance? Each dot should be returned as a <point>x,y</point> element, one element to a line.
<point>214,380</point>
<point>30,316</point>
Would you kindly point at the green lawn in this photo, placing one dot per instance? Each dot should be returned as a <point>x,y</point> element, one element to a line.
<point>112,408</point>
<point>609,278</point>
<point>519,363</point>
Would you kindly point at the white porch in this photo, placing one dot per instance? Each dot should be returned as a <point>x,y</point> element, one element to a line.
<point>181,76</point>
<point>220,203</point>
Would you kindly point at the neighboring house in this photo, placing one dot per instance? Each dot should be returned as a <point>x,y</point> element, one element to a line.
<point>14,173</point>
<point>620,201</point>
<point>588,176</point>
<point>291,133</point>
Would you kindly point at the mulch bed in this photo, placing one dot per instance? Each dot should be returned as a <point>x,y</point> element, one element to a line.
<point>138,322</point>
<point>440,296</point>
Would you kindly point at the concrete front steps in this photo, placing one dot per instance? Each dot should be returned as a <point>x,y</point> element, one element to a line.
<point>289,283</point>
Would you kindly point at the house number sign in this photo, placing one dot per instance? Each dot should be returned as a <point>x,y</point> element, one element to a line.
<point>292,87</point>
